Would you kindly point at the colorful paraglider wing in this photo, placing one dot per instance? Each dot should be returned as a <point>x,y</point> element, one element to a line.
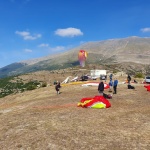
<point>82,55</point>
<point>147,87</point>
<point>106,86</point>
<point>95,102</point>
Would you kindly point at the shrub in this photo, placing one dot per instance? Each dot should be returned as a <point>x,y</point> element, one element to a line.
<point>31,87</point>
<point>115,71</point>
<point>44,84</point>
<point>139,75</point>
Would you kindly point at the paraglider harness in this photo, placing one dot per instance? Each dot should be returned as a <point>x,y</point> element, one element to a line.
<point>131,87</point>
<point>107,96</point>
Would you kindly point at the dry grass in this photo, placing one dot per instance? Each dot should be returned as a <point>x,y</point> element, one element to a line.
<point>42,120</point>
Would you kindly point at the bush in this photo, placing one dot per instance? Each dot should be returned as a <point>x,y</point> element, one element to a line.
<point>31,87</point>
<point>139,75</point>
<point>115,71</point>
<point>44,84</point>
<point>7,87</point>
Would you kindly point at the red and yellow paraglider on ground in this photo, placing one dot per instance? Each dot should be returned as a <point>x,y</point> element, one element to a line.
<point>94,102</point>
<point>82,56</point>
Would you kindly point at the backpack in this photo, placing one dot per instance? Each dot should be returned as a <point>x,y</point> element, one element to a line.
<point>131,87</point>
<point>107,96</point>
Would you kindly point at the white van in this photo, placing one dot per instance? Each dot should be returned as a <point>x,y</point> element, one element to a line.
<point>97,74</point>
<point>147,79</point>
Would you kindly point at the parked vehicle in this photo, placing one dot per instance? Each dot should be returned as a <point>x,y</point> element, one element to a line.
<point>94,78</point>
<point>147,79</point>
<point>97,73</point>
<point>103,77</point>
<point>84,78</point>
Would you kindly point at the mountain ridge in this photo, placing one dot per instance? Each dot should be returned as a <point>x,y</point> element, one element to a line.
<point>131,49</point>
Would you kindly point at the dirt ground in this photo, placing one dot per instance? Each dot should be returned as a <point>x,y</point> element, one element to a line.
<point>42,120</point>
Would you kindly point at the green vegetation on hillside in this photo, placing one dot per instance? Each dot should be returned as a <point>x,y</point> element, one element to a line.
<point>139,75</point>
<point>10,85</point>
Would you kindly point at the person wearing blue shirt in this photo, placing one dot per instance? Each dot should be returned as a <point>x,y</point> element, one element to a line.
<point>115,86</point>
<point>110,85</point>
<point>110,76</point>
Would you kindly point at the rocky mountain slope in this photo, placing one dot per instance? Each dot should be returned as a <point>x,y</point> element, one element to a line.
<point>132,49</point>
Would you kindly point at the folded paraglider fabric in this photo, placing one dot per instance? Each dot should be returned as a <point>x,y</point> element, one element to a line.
<point>94,102</point>
<point>106,86</point>
<point>131,87</point>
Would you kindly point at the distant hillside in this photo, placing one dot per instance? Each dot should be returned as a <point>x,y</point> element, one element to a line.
<point>131,49</point>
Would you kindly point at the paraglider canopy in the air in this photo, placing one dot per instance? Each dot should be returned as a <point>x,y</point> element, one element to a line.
<point>82,56</point>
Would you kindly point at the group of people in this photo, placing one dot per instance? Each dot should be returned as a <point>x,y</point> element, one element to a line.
<point>111,84</point>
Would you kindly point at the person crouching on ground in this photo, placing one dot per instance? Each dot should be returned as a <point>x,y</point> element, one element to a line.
<point>101,88</point>
<point>115,86</point>
<point>57,87</point>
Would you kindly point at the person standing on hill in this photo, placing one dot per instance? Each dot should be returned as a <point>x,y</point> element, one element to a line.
<point>115,86</point>
<point>101,87</point>
<point>57,87</point>
<point>128,79</point>
<point>110,76</point>
<point>110,85</point>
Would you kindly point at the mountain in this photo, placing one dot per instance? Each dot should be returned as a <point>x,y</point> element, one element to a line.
<point>112,51</point>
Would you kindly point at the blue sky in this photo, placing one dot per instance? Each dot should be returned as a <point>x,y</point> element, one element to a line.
<point>36,28</point>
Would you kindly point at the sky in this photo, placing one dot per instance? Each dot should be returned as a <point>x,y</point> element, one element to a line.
<point>32,29</point>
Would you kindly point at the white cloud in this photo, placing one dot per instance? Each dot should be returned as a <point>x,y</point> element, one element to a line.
<point>43,45</point>
<point>28,50</point>
<point>82,42</point>
<point>53,49</point>
<point>57,48</point>
<point>27,35</point>
<point>145,29</point>
<point>68,32</point>
<point>25,1</point>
